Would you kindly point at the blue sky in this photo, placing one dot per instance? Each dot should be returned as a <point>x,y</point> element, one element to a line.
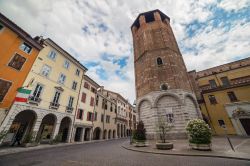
<point>97,33</point>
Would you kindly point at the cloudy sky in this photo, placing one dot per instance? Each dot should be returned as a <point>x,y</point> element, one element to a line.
<point>97,32</point>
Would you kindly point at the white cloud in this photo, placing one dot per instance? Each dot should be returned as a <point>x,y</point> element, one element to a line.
<point>233,5</point>
<point>63,20</point>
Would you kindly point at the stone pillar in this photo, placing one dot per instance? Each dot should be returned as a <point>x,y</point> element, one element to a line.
<point>70,136</point>
<point>36,128</point>
<point>56,130</point>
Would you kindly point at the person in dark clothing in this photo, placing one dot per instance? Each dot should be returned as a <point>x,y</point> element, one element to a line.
<point>18,138</point>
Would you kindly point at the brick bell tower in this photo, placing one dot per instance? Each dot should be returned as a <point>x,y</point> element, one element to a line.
<point>162,84</point>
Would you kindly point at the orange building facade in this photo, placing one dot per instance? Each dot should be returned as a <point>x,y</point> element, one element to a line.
<point>18,51</point>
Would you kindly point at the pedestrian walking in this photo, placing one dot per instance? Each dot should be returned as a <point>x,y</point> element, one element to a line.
<point>18,138</point>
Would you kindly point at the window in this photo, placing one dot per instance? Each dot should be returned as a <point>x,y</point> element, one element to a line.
<point>89,116</point>
<point>79,114</point>
<point>159,61</point>
<point>212,99</point>
<point>97,100</point>
<point>232,96</point>
<point>4,87</point>
<point>71,101</point>
<point>52,55</point>
<point>74,85</point>
<point>86,85</point>
<point>102,118</point>
<point>93,90</point>
<point>17,62</point>
<point>56,97</point>
<point>95,116</point>
<point>92,100</point>
<point>77,72</point>
<point>221,123</point>
<point>37,93</point>
<point>61,79</point>
<point>170,117</point>
<point>164,87</point>
<point>83,99</point>
<point>212,84</point>
<point>225,81</point>
<point>66,64</point>
<point>45,70</point>
<point>26,48</point>
<point>111,107</point>
<point>107,119</point>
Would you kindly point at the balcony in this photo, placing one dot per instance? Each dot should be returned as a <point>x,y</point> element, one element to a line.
<point>54,105</point>
<point>34,100</point>
<point>69,109</point>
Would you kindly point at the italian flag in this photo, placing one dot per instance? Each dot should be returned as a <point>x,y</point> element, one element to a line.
<point>22,95</point>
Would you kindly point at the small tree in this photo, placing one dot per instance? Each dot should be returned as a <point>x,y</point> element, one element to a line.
<point>3,134</point>
<point>140,132</point>
<point>163,127</point>
<point>199,132</point>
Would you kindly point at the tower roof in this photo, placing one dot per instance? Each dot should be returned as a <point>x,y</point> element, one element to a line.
<point>149,16</point>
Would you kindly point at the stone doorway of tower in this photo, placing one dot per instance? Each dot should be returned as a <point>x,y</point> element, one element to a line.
<point>46,130</point>
<point>245,122</point>
<point>22,124</point>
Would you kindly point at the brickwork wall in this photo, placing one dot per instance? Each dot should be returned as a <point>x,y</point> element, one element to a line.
<point>152,40</point>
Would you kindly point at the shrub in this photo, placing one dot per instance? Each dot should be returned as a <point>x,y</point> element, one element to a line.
<point>58,138</point>
<point>163,127</point>
<point>199,132</point>
<point>3,134</point>
<point>140,133</point>
<point>28,138</point>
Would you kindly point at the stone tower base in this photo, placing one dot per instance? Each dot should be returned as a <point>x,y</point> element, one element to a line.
<point>180,105</point>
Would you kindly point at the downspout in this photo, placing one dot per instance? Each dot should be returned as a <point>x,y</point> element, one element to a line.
<point>76,108</point>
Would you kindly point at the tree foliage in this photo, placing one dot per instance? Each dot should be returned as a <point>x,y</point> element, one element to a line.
<point>199,132</point>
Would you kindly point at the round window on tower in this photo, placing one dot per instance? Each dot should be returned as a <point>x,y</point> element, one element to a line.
<point>164,87</point>
<point>159,61</point>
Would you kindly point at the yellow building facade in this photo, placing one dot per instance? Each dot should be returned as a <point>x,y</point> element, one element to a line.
<point>221,91</point>
<point>54,81</point>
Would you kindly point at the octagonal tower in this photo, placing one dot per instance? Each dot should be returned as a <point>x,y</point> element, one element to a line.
<point>162,84</point>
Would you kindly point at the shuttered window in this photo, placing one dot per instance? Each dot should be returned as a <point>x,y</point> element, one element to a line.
<point>92,101</point>
<point>83,97</point>
<point>17,62</point>
<point>4,87</point>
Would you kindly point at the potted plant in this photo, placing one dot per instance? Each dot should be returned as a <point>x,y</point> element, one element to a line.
<point>139,135</point>
<point>163,127</point>
<point>57,139</point>
<point>29,140</point>
<point>199,134</point>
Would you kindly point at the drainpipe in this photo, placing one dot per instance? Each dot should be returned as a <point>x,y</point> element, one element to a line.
<point>73,124</point>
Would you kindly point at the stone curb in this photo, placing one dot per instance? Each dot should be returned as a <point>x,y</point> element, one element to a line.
<point>184,154</point>
<point>50,146</point>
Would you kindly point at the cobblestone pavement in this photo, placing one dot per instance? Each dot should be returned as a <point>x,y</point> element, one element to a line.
<point>108,153</point>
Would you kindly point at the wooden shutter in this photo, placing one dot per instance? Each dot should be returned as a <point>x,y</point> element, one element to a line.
<point>82,114</point>
<point>78,112</point>
<point>88,116</point>
<point>92,101</point>
<point>83,97</point>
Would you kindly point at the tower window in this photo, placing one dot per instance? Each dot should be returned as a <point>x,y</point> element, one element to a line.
<point>159,61</point>
<point>164,87</point>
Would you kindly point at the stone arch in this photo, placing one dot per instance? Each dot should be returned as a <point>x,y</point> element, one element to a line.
<point>47,128</point>
<point>23,123</point>
<point>167,94</point>
<point>143,104</point>
<point>105,134</point>
<point>65,128</point>
<point>191,104</point>
<point>109,134</point>
<point>118,131</point>
<point>192,98</point>
<point>114,134</point>
<point>97,133</point>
